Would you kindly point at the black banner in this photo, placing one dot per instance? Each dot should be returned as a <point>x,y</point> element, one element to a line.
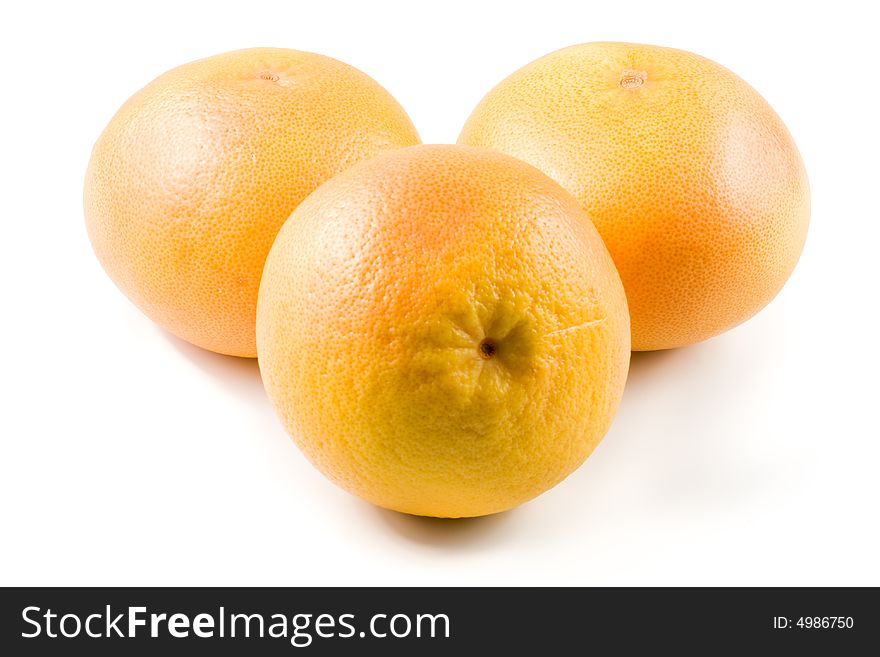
<point>435,621</point>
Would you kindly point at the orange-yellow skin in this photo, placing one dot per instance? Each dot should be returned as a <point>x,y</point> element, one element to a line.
<point>691,178</point>
<point>191,180</point>
<point>379,298</point>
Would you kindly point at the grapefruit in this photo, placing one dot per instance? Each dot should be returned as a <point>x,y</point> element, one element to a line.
<point>442,331</point>
<point>689,175</point>
<point>191,180</point>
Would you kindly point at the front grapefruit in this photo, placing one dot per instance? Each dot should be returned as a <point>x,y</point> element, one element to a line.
<point>442,331</point>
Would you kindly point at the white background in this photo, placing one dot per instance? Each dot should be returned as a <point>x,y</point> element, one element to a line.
<point>129,457</point>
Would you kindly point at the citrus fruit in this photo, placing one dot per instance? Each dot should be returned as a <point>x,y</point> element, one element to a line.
<point>690,177</point>
<point>191,180</point>
<point>442,331</point>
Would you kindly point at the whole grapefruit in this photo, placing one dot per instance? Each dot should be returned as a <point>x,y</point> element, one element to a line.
<point>691,178</point>
<point>442,331</point>
<point>191,180</point>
